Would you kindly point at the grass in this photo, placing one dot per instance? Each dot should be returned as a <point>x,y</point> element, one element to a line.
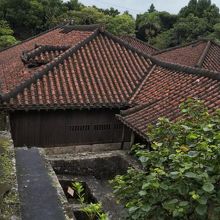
<point>9,203</point>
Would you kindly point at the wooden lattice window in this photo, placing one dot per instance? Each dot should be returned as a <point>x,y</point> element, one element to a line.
<point>79,127</point>
<point>102,127</point>
<point>118,126</point>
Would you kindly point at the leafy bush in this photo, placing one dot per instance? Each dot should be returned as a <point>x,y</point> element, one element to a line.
<point>180,178</point>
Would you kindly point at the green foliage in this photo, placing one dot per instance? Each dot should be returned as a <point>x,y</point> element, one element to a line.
<point>74,5</point>
<point>190,28</point>
<point>197,19</point>
<point>152,8</point>
<point>201,9</point>
<point>89,15</point>
<point>163,40</point>
<point>121,25</point>
<point>92,210</point>
<point>78,187</point>
<point>111,12</point>
<point>148,25</point>
<point>117,24</point>
<point>6,38</point>
<point>181,175</point>
<point>216,33</point>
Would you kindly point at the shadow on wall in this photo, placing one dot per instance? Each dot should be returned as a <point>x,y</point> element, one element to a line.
<point>3,121</point>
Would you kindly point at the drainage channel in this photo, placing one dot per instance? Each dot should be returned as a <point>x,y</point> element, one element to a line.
<point>93,170</point>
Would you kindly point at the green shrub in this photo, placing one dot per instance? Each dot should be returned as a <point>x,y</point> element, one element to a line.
<point>181,175</point>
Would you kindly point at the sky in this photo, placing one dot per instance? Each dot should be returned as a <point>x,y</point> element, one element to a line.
<point>140,6</point>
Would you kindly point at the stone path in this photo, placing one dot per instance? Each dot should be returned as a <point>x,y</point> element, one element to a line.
<point>39,200</point>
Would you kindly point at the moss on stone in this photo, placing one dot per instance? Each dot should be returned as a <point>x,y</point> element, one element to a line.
<point>9,202</point>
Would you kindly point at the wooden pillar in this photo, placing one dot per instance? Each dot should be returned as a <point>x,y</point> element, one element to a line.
<point>132,139</point>
<point>123,137</point>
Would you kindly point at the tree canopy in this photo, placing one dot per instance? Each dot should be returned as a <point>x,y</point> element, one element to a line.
<point>197,19</point>
<point>6,35</point>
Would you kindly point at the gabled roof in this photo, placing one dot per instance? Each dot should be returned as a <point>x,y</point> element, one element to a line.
<point>12,69</point>
<point>139,44</point>
<point>100,71</point>
<point>164,90</point>
<point>201,53</point>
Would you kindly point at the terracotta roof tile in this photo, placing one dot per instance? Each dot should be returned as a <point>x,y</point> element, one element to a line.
<point>163,92</point>
<point>188,55</point>
<point>202,54</point>
<point>12,70</point>
<point>141,45</point>
<point>212,58</point>
<point>101,71</point>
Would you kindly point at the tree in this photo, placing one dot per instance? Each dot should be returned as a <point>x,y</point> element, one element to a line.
<point>190,28</point>
<point>6,35</point>
<point>29,17</point>
<point>164,40</point>
<point>180,177</point>
<point>216,33</point>
<point>73,5</point>
<point>148,25</point>
<point>121,25</point>
<point>111,12</point>
<point>89,15</point>
<point>152,8</point>
<point>201,9</point>
<point>167,20</point>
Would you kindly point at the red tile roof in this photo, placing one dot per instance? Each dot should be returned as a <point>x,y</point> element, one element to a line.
<point>12,70</point>
<point>202,54</point>
<point>101,71</point>
<point>75,68</point>
<point>163,92</point>
<point>211,60</point>
<point>141,45</point>
<point>188,55</point>
<point>43,54</point>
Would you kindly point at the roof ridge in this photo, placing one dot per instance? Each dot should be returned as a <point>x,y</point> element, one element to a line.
<point>202,57</point>
<point>138,107</point>
<point>127,45</point>
<point>47,68</point>
<point>187,69</point>
<point>35,36</point>
<point>179,46</point>
<point>141,85</point>
<point>39,49</point>
<point>141,41</point>
<point>84,27</point>
<point>64,24</point>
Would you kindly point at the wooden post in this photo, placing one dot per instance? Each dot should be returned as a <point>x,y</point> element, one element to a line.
<point>123,138</point>
<point>132,139</point>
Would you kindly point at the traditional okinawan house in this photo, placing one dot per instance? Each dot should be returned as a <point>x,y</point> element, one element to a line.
<point>166,87</point>
<point>202,53</point>
<point>140,45</point>
<point>65,86</point>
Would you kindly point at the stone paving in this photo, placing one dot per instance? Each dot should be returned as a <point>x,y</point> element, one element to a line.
<point>39,199</point>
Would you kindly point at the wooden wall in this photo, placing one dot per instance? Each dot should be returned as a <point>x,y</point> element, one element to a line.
<point>65,128</point>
